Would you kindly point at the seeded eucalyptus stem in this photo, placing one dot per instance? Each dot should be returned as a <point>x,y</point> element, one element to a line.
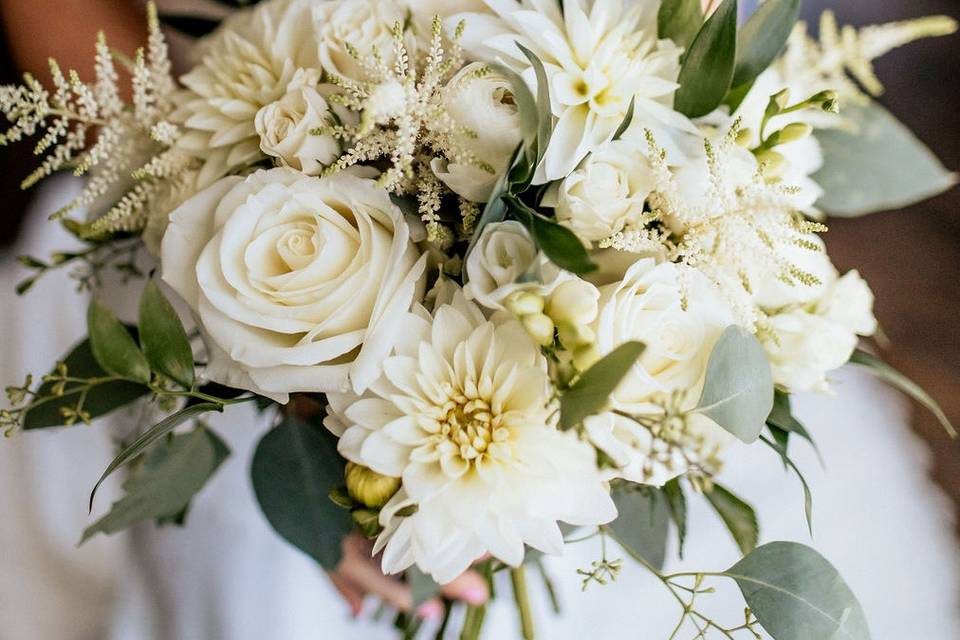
<point>518,577</point>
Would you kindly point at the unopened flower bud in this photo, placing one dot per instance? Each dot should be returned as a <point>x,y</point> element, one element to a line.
<point>368,487</point>
<point>573,301</point>
<point>524,303</point>
<point>744,137</point>
<point>778,102</point>
<point>772,163</point>
<point>794,132</point>
<point>585,357</point>
<point>828,100</point>
<point>574,335</point>
<point>540,328</point>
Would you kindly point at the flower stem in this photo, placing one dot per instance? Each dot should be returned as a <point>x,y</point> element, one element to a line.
<point>518,578</point>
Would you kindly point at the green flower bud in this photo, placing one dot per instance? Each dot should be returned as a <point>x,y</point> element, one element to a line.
<point>540,328</point>
<point>574,335</point>
<point>773,164</point>
<point>744,137</point>
<point>794,132</point>
<point>368,487</point>
<point>828,100</point>
<point>524,303</point>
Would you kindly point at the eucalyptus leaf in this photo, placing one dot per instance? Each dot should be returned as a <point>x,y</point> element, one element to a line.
<point>642,524</point>
<point>763,37</point>
<point>113,347</point>
<point>781,418</point>
<point>100,400</point>
<point>738,516</point>
<point>591,393</point>
<point>707,70</point>
<point>557,242</point>
<point>893,377</point>
<point>738,388</point>
<point>151,436</point>
<point>163,338</point>
<point>172,473</point>
<point>807,494</point>
<point>422,586</point>
<point>677,503</point>
<point>295,466</point>
<point>797,595</point>
<point>881,167</point>
<point>544,114</point>
<point>680,20</point>
<point>527,108</point>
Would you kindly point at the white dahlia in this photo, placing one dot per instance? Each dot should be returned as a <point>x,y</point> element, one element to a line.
<point>598,55</point>
<point>245,65</point>
<point>463,415</point>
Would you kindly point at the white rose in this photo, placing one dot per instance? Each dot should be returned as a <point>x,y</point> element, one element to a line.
<point>296,281</point>
<point>483,105</point>
<point>677,313</point>
<point>363,25</point>
<point>606,191</point>
<point>284,127</point>
<point>850,303</point>
<point>506,260</point>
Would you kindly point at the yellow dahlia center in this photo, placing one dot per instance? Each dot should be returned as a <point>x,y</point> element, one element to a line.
<point>471,426</point>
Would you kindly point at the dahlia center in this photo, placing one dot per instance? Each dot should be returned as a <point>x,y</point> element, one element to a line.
<point>472,427</point>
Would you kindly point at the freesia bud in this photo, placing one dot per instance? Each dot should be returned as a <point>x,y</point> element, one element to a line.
<point>573,301</point>
<point>524,303</point>
<point>794,132</point>
<point>540,328</point>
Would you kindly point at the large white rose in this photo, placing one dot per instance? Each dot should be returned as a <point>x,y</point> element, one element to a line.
<point>362,25</point>
<point>506,260</point>
<point>606,191</point>
<point>296,281</point>
<point>483,104</point>
<point>285,125</point>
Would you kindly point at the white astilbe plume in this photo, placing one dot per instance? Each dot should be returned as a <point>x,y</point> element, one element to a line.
<point>736,231</point>
<point>131,154</point>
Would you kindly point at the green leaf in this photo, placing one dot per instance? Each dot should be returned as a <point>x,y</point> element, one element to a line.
<point>295,466</point>
<point>114,347</point>
<point>677,503</point>
<point>763,37</point>
<point>163,338</point>
<point>627,120</point>
<point>422,586</point>
<point>527,107</point>
<point>544,114</point>
<point>893,377</point>
<point>101,399</point>
<point>172,473</point>
<point>642,524</point>
<point>680,20</point>
<point>707,70</point>
<point>738,516</point>
<point>797,595</point>
<point>881,167</point>
<point>558,243</point>
<point>591,393</point>
<point>738,388</point>
<point>807,494</point>
<point>151,436</point>
<point>782,423</point>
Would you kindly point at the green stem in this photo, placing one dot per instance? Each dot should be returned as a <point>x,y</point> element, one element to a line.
<point>473,622</point>
<point>518,577</point>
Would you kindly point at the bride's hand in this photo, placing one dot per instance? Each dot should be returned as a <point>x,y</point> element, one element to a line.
<point>359,575</point>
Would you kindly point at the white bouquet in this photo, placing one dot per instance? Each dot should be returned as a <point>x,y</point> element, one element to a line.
<point>499,269</point>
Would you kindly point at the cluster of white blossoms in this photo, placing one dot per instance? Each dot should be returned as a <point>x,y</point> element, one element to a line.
<point>442,215</point>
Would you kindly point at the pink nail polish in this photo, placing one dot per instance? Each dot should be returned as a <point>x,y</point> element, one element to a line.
<point>475,595</point>
<point>430,610</point>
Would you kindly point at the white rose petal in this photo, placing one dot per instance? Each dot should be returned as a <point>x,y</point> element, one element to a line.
<point>284,127</point>
<point>364,25</point>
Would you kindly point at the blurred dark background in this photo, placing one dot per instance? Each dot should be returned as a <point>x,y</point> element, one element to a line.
<point>910,257</point>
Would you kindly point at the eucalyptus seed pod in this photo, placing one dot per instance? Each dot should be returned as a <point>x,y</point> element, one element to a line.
<point>368,487</point>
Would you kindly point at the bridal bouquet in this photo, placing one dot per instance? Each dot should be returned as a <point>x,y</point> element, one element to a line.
<point>505,274</point>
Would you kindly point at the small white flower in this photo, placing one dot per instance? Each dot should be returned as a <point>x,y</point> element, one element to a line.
<point>285,129</point>
<point>506,260</point>
<point>573,301</point>
<point>482,105</point>
<point>298,282</point>
<point>463,415</point>
<point>350,31</point>
<point>606,192</point>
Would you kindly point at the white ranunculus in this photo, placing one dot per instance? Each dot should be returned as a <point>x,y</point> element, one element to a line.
<point>245,65</point>
<point>506,260</point>
<point>364,26</point>
<point>298,282</point>
<point>607,191</point>
<point>850,303</point>
<point>284,127</point>
<point>599,55</point>
<point>483,105</point>
<point>463,415</point>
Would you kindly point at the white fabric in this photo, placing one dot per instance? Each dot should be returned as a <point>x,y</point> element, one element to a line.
<point>227,576</point>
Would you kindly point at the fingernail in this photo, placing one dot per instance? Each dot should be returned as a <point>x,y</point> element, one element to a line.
<point>475,595</point>
<point>430,610</point>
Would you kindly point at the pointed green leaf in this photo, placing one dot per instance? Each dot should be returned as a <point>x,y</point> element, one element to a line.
<point>797,595</point>
<point>172,473</point>
<point>881,167</point>
<point>677,503</point>
<point>707,70</point>
<point>782,423</point>
<point>591,393</point>
<point>295,466</point>
<point>642,524</point>
<point>114,347</point>
<point>893,377</point>
<point>163,338</point>
<point>807,494</point>
<point>763,37</point>
<point>627,120</point>
<point>738,516</point>
<point>544,114</point>
<point>680,20</point>
<point>151,436</point>
<point>738,388</point>
<point>557,242</point>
